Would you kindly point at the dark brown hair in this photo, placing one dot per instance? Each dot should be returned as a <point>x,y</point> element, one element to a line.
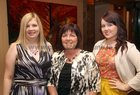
<point>115,18</point>
<point>72,27</point>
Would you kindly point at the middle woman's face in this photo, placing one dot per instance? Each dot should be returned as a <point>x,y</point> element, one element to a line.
<point>32,29</point>
<point>69,40</point>
<point>109,30</point>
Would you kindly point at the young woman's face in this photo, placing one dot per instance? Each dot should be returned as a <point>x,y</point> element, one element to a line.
<point>69,40</point>
<point>109,30</point>
<point>32,29</point>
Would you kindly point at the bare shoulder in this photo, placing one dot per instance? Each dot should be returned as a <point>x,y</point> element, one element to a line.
<point>50,48</point>
<point>12,49</point>
<point>10,60</point>
<point>13,45</point>
<point>49,44</point>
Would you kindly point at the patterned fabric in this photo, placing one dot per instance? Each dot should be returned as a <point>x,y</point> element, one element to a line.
<point>106,62</point>
<point>127,64</point>
<point>84,72</point>
<point>30,77</point>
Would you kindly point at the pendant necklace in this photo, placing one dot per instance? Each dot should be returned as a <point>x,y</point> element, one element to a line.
<point>70,59</point>
<point>33,51</point>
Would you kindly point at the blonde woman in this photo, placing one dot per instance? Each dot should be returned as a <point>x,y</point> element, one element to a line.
<point>28,60</point>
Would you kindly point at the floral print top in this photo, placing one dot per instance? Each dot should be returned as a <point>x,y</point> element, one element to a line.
<point>84,72</point>
<point>106,62</point>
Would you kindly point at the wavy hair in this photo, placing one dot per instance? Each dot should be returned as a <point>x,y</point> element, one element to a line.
<point>115,18</point>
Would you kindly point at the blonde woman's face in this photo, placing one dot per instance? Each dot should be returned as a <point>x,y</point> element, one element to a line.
<point>32,29</point>
<point>109,30</point>
<point>69,40</point>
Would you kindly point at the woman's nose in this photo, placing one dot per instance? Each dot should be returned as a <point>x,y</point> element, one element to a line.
<point>31,27</point>
<point>106,27</point>
<point>68,37</point>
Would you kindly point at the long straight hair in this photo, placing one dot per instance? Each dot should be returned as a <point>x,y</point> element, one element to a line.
<point>22,36</point>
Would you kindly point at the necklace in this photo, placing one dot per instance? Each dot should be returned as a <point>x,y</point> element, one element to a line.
<point>71,56</point>
<point>109,45</point>
<point>71,59</point>
<point>33,50</point>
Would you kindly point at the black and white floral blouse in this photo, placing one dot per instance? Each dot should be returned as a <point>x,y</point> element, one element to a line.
<point>84,72</point>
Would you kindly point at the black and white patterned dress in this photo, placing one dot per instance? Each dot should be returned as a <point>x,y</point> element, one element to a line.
<point>30,76</point>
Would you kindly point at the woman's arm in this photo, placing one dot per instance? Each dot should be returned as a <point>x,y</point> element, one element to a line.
<point>9,68</point>
<point>51,82</point>
<point>93,76</point>
<point>52,90</point>
<point>133,56</point>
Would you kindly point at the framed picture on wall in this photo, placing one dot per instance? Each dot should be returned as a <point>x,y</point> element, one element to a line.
<point>52,15</point>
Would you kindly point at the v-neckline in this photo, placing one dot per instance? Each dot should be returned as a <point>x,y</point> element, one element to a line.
<point>32,57</point>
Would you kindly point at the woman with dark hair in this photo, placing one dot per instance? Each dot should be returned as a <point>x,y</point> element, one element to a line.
<point>118,59</point>
<point>74,71</point>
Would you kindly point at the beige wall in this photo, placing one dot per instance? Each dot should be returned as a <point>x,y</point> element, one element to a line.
<point>4,28</point>
<point>3,39</point>
<point>99,11</point>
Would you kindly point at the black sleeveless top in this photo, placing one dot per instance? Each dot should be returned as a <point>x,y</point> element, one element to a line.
<point>64,83</point>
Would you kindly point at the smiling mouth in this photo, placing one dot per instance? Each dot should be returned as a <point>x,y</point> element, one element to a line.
<point>69,44</point>
<point>107,33</point>
<point>31,33</point>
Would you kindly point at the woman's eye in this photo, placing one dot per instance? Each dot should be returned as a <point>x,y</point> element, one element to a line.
<point>110,24</point>
<point>34,25</point>
<point>64,35</point>
<point>73,35</point>
<point>102,26</point>
<point>27,26</point>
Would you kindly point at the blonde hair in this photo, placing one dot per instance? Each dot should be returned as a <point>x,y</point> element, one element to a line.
<point>24,21</point>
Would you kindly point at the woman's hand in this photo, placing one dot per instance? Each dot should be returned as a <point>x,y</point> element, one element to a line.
<point>91,93</point>
<point>115,83</point>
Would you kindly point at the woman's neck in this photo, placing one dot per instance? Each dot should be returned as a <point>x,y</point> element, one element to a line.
<point>71,51</point>
<point>71,54</point>
<point>110,43</point>
<point>32,47</point>
<point>32,43</point>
